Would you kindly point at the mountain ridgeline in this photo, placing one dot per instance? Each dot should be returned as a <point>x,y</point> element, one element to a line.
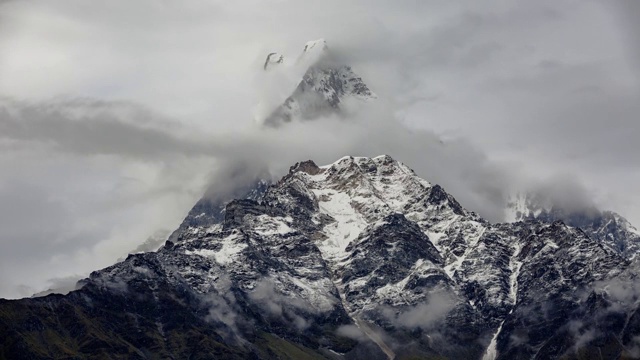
<point>357,259</point>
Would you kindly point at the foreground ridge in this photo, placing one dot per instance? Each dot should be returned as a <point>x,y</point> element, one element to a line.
<point>360,258</point>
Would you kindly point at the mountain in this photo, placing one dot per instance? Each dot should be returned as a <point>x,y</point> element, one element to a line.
<point>607,227</point>
<point>323,90</point>
<point>357,259</point>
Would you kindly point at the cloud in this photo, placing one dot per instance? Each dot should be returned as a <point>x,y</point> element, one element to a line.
<point>75,200</point>
<point>223,308</point>
<point>487,95</point>
<point>623,291</point>
<point>59,286</point>
<point>153,242</point>
<point>94,127</point>
<point>352,332</point>
<point>423,316</point>
<point>582,335</point>
<point>560,192</point>
<point>615,298</point>
<point>280,306</point>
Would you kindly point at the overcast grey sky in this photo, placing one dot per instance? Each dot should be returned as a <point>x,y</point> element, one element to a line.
<point>114,116</point>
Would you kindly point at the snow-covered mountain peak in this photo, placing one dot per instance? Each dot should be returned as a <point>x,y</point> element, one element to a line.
<point>357,192</point>
<point>326,84</point>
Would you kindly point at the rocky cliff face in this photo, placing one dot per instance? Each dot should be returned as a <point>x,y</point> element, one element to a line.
<point>357,259</point>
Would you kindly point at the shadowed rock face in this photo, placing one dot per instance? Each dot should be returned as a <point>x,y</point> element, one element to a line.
<point>357,259</point>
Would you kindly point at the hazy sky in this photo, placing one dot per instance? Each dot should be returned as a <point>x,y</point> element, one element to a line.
<point>115,115</point>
